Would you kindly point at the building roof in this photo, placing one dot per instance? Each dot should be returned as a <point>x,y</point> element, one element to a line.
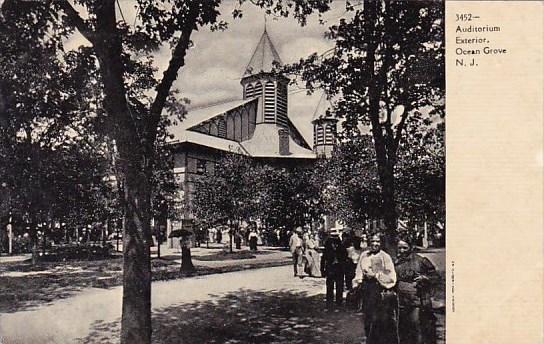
<point>322,107</point>
<point>202,114</point>
<point>209,141</point>
<point>263,57</point>
<point>265,144</point>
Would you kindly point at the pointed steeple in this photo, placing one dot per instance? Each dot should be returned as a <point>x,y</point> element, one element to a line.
<point>322,110</point>
<point>263,57</point>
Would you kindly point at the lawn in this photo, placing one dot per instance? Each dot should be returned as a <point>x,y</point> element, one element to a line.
<point>24,286</point>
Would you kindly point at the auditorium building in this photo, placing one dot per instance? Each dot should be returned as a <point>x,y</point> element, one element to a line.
<point>257,125</point>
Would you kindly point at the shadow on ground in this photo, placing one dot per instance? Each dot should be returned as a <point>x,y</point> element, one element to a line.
<point>42,284</point>
<point>47,282</point>
<point>248,316</point>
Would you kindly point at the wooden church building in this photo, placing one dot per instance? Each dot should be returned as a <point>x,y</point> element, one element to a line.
<point>257,125</point>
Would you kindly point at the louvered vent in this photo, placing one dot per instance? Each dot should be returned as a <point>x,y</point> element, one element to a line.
<point>329,134</point>
<point>269,102</point>
<point>258,90</point>
<point>250,91</point>
<point>282,106</point>
<point>320,137</point>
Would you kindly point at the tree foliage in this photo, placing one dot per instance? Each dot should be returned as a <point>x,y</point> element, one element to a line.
<point>226,194</point>
<point>240,189</point>
<point>387,63</point>
<point>135,96</point>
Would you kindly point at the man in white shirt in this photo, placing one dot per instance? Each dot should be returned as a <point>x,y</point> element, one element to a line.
<point>295,246</point>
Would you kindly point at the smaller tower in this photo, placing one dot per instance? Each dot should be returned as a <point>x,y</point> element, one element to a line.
<point>324,128</point>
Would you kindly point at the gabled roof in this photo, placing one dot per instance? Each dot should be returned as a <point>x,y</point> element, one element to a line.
<point>202,114</point>
<point>263,57</point>
<point>209,141</point>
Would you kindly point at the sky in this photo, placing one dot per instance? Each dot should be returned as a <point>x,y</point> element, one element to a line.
<point>216,62</point>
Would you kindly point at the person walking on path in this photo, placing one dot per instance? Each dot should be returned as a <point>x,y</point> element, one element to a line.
<point>415,275</point>
<point>354,251</point>
<point>332,267</point>
<point>313,267</point>
<point>253,238</point>
<point>295,246</point>
<point>376,274</point>
<point>238,239</point>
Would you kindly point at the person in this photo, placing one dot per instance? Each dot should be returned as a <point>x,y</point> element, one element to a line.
<point>349,266</point>
<point>253,238</point>
<point>295,246</point>
<point>332,267</point>
<point>415,275</point>
<point>375,273</point>
<point>354,254</point>
<point>219,235</point>
<point>313,267</point>
<point>238,239</point>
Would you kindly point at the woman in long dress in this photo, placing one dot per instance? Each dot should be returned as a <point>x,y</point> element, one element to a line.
<point>416,275</point>
<point>253,238</point>
<point>376,274</point>
<point>313,266</point>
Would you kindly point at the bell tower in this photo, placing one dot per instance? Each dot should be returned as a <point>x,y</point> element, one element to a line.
<point>259,80</point>
<point>324,128</point>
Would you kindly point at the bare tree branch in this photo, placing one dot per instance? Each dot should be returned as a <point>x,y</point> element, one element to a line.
<point>400,126</point>
<point>170,74</point>
<point>77,21</point>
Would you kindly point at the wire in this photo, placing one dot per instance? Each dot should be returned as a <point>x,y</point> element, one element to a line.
<point>120,10</point>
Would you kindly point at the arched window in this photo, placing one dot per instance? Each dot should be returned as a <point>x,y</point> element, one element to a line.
<point>258,89</point>
<point>221,128</point>
<point>250,91</point>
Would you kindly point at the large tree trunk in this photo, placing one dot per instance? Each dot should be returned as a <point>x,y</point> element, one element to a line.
<point>136,312</point>
<point>389,211</point>
<point>385,154</point>
<point>135,162</point>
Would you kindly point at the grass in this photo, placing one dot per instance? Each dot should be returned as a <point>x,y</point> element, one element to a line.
<point>221,256</point>
<point>24,286</point>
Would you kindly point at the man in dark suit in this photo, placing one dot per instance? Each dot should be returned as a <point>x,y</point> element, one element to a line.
<point>333,262</point>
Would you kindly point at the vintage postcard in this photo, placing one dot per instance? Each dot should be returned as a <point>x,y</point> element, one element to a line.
<point>271,171</point>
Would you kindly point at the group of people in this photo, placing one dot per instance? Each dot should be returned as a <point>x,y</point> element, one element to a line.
<point>304,247</point>
<point>394,294</point>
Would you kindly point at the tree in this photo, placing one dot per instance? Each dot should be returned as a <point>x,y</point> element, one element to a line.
<point>287,197</point>
<point>39,96</point>
<point>388,62</point>
<point>421,171</point>
<point>352,182</point>
<point>352,188</point>
<point>226,195</point>
<point>134,102</point>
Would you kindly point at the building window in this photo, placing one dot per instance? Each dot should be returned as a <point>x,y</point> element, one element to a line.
<point>221,128</point>
<point>200,166</point>
<point>250,91</point>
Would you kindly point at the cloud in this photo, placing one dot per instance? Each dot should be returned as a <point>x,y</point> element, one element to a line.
<point>215,64</point>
